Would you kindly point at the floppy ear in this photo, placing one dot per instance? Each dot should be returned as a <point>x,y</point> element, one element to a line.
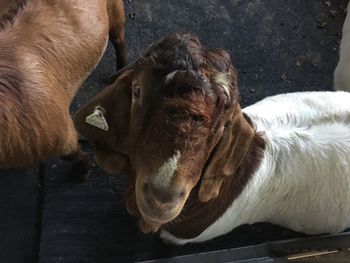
<point>111,162</point>
<point>104,122</point>
<point>233,137</point>
<point>231,148</point>
<point>219,61</point>
<point>132,208</point>
<point>130,201</point>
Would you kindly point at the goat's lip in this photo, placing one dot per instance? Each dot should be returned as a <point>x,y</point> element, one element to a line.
<point>157,216</point>
<point>155,221</point>
<point>152,220</point>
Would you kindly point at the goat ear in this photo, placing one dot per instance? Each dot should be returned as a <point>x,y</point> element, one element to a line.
<point>232,145</point>
<point>218,59</point>
<point>130,201</point>
<point>104,122</point>
<point>111,162</point>
<point>225,74</point>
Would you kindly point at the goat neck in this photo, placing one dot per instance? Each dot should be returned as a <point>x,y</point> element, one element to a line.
<point>197,215</point>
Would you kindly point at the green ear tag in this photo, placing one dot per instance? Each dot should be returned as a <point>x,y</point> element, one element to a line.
<point>97,119</point>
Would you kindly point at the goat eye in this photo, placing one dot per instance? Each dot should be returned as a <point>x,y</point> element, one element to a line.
<point>196,118</point>
<point>136,91</point>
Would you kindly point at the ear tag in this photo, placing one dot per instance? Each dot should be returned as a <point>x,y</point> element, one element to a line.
<point>97,119</point>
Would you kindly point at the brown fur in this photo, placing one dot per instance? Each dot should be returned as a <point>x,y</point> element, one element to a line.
<point>229,152</point>
<point>195,110</point>
<point>48,48</point>
<point>196,215</point>
<point>9,10</point>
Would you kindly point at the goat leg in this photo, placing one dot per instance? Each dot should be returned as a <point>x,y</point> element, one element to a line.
<point>81,165</point>
<point>116,31</point>
<point>120,50</point>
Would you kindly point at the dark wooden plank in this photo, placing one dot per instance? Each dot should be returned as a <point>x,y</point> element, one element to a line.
<point>88,223</point>
<point>84,222</point>
<point>19,218</point>
<point>321,246</point>
<point>333,257</point>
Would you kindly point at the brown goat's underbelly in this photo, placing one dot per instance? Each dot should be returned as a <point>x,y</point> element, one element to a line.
<point>26,154</point>
<point>31,137</point>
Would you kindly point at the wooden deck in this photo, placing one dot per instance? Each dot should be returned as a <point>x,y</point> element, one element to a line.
<point>277,46</point>
<point>87,222</point>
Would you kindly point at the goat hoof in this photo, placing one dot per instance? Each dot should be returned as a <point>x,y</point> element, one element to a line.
<point>80,170</point>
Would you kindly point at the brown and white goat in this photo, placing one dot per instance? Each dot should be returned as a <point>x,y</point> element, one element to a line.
<point>47,49</point>
<point>342,71</point>
<point>199,166</point>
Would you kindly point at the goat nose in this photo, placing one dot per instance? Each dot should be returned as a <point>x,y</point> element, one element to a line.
<point>161,195</point>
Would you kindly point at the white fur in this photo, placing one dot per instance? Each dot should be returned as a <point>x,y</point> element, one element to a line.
<point>224,80</point>
<point>170,76</point>
<point>303,182</point>
<point>166,172</point>
<point>342,71</point>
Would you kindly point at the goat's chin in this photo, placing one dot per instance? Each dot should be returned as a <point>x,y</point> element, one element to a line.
<point>147,226</point>
<point>153,221</point>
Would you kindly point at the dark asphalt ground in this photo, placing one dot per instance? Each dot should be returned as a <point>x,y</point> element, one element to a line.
<point>277,47</point>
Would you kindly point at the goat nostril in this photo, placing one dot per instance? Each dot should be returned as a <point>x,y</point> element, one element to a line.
<point>182,194</point>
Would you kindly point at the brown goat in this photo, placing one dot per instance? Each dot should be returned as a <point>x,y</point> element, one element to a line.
<point>47,49</point>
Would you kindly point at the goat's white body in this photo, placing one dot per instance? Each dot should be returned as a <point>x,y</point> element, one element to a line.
<point>303,181</point>
<point>342,71</point>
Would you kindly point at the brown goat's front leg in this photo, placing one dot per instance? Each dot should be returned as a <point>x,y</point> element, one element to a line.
<point>81,165</point>
<point>117,31</point>
<point>120,50</point>
<point>71,151</point>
